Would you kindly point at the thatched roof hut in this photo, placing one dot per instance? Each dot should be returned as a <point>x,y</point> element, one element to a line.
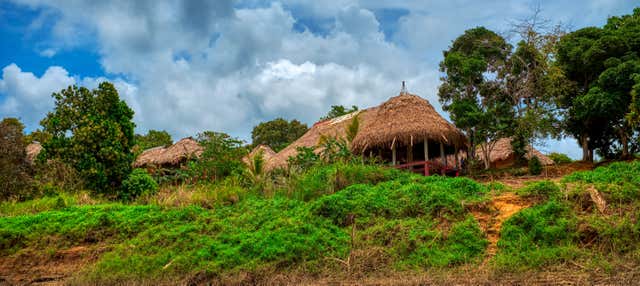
<point>267,153</point>
<point>502,155</point>
<point>173,155</point>
<point>406,119</point>
<point>335,127</point>
<point>33,150</point>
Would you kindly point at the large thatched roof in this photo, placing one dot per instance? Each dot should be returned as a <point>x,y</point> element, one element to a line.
<point>335,127</point>
<point>173,155</point>
<point>404,119</point>
<point>33,150</point>
<point>503,151</point>
<point>267,153</point>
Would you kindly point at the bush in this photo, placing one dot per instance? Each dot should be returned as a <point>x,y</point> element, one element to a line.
<point>544,189</point>
<point>559,158</point>
<point>535,167</point>
<point>137,184</point>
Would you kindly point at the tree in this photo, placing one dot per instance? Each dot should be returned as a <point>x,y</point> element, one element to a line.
<point>473,88</point>
<point>221,157</point>
<point>277,133</point>
<point>153,138</point>
<point>529,83</point>
<point>14,170</point>
<point>602,62</point>
<point>337,111</point>
<point>92,131</point>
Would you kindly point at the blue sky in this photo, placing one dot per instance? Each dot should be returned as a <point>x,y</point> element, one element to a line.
<point>189,66</point>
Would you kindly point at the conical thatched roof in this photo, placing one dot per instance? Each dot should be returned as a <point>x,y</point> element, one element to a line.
<point>33,150</point>
<point>406,118</point>
<point>173,155</point>
<point>267,153</point>
<point>335,127</point>
<point>503,151</point>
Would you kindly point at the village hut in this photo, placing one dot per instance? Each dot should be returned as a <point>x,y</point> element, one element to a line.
<point>335,127</point>
<point>171,156</point>
<point>502,155</point>
<point>407,129</point>
<point>266,151</point>
<point>33,150</point>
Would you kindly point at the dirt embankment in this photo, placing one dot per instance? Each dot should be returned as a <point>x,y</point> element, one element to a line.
<point>40,267</point>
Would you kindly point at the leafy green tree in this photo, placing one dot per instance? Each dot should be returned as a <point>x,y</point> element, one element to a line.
<point>337,111</point>
<point>92,131</point>
<point>602,62</point>
<point>15,176</point>
<point>153,138</point>
<point>222,156</point>
<point>277,133</point>
<point>473,89</point>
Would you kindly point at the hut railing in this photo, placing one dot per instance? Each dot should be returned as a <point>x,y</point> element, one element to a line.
<point>426,167</point>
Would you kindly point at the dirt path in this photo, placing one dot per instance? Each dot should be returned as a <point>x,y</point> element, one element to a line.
<point>502,207</point>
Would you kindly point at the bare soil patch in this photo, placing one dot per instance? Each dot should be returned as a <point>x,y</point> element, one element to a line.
<point>41,267</point>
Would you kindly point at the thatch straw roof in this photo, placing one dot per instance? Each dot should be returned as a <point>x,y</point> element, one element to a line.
<point>335,127</point>
<point>267,153</point>
<point>33,150</point>
<point>502,151</point>
<point>173,155</point>
<point>404,119</point>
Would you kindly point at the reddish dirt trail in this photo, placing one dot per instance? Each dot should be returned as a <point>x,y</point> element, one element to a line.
<point>502,207</point>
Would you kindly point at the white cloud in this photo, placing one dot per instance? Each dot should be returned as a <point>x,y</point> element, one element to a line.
<point>227,65</point>
<point>28,96</point>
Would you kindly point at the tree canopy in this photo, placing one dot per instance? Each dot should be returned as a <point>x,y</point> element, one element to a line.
<point>92,131</point>
<point>337,111</point>
<point>277,133</point>
<point>604,64</point>
<point>153,138</point>
<point>472,89</point>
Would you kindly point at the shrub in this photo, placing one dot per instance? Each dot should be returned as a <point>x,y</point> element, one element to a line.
<point>15,172</point>
<point>535,167</point>
<point>544,189</point>
<point>137,184</point>
<point>559,158</point>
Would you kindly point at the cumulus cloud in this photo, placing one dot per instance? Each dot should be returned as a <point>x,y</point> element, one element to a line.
<point>28,96</point>
<point>227,65</point>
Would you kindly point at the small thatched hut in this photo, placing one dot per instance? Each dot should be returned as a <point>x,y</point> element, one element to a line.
<point>33,150</point>
<point>266,151</point>
<point>171,156</point>
<point>502,155</point>
<point>406,129</point>
<point>335,127</point>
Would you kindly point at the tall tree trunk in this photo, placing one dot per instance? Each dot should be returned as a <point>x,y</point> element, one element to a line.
<point>586,152</point>
<point>624,140</point>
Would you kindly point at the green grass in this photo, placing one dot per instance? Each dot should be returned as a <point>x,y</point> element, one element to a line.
<point>306,231</point>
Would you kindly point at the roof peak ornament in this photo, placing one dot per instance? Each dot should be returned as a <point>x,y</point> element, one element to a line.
<point>403,91</point>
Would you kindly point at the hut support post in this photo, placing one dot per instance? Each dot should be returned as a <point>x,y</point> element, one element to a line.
<point>409,153</point>
<point>444,159</point>
<point>426,157</point>
<point>393,154</point>
<point>456,156</point>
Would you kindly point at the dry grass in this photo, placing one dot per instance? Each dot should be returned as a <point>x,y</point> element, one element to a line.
<point>502,154</point>
<point>173,155</point>
<point>406,119</point>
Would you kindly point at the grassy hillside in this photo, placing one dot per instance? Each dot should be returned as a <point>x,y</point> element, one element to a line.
<point>345,219</point>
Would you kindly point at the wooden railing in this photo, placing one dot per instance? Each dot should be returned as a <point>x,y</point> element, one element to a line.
<point>426,167</point>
